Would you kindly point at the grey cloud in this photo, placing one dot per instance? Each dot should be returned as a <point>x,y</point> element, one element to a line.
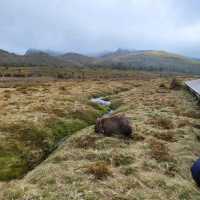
<point>95,25</point>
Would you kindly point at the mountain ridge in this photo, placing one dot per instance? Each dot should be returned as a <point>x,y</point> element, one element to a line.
<point>150,60</point>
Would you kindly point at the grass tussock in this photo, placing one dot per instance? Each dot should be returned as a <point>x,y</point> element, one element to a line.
<point>84,142</point>
<point>88,116</point>
<point>99,170</point>
<point>167,136</point>
<point>183,123</point>
<point>171,169</point>
<point>163,86</point>
<point>159,151</point>
<point>162,122</point>
<point>192,114</point>
<point>122,159</point>
<point>138,137</point>
<point>128,171</point>
<point>59,112</point>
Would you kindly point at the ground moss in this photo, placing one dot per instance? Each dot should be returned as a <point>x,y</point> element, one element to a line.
<point>88,116</point>
<point>34,144</point>
<point>116,103</point>
<point>102,109</point>
<point>63,128</point>
<point>12,166</point>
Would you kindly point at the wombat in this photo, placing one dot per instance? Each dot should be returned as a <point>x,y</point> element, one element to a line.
<point>118,125</point>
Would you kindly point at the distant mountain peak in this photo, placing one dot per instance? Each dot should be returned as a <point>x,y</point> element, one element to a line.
<point>38,51</point>
<point>120,50</point>
<point>33,51</point>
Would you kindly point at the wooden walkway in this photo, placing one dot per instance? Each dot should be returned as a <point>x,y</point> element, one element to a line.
<point>194,87</point>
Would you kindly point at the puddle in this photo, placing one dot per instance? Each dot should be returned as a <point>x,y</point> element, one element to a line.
<point>102,102</point>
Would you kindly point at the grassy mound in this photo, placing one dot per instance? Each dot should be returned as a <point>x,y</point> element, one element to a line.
<point>32,143</point>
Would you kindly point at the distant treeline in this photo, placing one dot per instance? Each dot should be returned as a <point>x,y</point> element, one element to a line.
<point>66,73</point>
<point>187,69</point>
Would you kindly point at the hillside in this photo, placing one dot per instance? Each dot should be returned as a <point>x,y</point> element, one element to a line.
<point>151,61</point>
<point>155,164</point>
<point>77,58</point>
<point>33,58</point>
<point>44,59</point>
<point>49,52</point>
<point>148,60</point>
<point>9,58</point>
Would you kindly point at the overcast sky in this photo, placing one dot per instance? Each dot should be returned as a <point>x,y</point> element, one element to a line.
<point>88,26</point>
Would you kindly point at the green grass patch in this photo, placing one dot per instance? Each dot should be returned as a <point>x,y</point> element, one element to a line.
<point>116,103</point>
<point>62,128</point>
<point>101,94</point>
<point>101,109</point>
<point>29,144</point>
<point>12,166</point>
<point>88,116</point>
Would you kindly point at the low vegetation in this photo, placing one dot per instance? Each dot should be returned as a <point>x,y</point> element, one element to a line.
<point>38,117</point>
<point>155,164</point>
<point>99,170</point>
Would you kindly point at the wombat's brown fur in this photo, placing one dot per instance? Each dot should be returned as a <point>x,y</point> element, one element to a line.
<point>114,125</point>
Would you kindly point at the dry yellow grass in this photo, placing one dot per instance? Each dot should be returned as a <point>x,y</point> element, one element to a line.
<point>154,165</point>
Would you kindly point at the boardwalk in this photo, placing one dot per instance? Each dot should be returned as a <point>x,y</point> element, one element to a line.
<point>194,86</point>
